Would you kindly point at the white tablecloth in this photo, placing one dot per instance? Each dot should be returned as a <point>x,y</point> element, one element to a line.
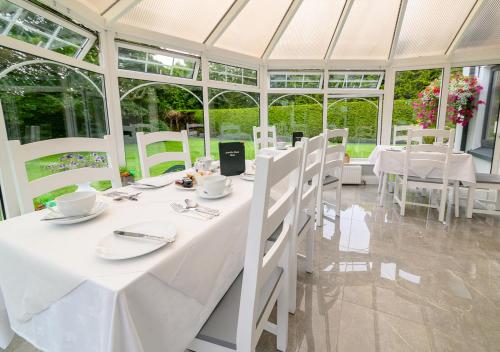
<point>153,303</point>
<point>392,162</point>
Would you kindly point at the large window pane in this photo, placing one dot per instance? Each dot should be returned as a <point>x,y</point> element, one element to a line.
<point>232,74</point>
<point>153,106</point>
<point>360,116</point>
<point>49,100</point>
<point>232,117</point>
<point>296,113</point>
<point>416,98</point>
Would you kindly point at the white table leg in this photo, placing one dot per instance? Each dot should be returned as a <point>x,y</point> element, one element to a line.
<point>384,188</point>
<point>470,200</point>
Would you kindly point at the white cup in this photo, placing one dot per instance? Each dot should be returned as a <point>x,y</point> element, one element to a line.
<point>75,204</point>
<point>215,185</point>
<point>280,145</point>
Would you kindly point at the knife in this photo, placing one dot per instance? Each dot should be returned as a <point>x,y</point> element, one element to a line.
<point>139,235</point>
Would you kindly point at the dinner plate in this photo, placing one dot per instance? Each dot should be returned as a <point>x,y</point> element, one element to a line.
<point>156,182</point>
<point>227,191</point>
<point>98,209</point>
<point>117,247</point>
<point>247,177</point>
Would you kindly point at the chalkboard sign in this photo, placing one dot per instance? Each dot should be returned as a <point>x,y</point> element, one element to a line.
<point>296,136</point>
<point>232,158</point>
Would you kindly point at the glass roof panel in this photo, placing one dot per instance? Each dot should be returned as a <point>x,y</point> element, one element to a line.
<point>310,31</point>
<point>98,6</point>
<point>429,26</point>
<point>484,31</point>
<point>188,19</point>
<point>368,37</point>
<point>244,36</point>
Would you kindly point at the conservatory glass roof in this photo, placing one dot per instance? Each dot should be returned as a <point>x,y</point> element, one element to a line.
<point>306,29</point>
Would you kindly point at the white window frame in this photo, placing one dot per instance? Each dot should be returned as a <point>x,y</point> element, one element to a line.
<point>236,86</point>
<point>155,76</point>
<point>304,73</point>
<point>91,38</point>
<point>346,73</point>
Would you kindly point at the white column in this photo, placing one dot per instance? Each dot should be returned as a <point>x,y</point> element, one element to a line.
<point>6,177</point>
<point>443,101</point>
<point>264,104</point>
<point>386,130</point>
<point>206,117</point>
<point>109,61</point>
<point>325,98</point>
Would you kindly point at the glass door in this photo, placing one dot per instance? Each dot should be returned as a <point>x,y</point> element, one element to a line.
<point>491,132</point>
<point>361,115</point>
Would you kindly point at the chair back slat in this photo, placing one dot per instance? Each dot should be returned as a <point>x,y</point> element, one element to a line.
<point>264,137</point>
<point>398,137</point>
<point>143,140</point>
<point>27,190</point>
<point>259,263</point>
<point>332,161</point>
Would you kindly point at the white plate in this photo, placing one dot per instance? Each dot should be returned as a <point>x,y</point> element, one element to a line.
<point>185,188</point>
<point>115,247</point>
<point>98,209</point>
<point>226,192</point>
<point>247,177</point>
<point>157,182</point>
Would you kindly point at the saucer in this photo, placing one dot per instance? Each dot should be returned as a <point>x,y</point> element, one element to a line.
<point>247,177</point>
<point>98,209</point>
<point>227,191</point>
<point>185,188</point>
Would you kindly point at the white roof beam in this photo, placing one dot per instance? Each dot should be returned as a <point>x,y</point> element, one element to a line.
<point>397,29</point>
<point>77,11</point>
<point>465,26</point>
<point>118,10</point>
<point>292,9</point>
<point>338,28</point>
<point>225,22</point>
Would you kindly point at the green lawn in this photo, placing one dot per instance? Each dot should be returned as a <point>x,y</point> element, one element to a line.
<point>41,167</point>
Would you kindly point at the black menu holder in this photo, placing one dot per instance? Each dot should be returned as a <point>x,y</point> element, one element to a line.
<point>232,158</point>
<point>296,136</point>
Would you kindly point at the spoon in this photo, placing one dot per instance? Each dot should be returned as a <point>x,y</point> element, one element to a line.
<point>127,196</point>
<point>192,204</point>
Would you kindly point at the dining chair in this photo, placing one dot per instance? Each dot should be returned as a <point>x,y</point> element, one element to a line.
<point>488,182</point>
<point>263,137</point>
<point>240,317</point>
<point>143,140</point>
<point>421,160</point>
<point>332,164</point>
<point>20,154</point>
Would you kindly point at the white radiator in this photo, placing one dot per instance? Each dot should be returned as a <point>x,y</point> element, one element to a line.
<point>351,175</point>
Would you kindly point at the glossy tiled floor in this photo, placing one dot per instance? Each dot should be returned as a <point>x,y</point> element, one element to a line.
<point>388,283</point>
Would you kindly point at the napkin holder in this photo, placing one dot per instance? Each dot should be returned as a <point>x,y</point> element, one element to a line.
<point>232,158</point>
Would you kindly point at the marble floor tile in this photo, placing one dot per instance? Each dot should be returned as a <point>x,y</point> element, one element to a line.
<point>383,282</point>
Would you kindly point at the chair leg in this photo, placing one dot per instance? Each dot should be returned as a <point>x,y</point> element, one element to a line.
<point>319,207</point>
<point>292,278</point>
<point>396,191</point>
<point>403,199</point>
<point>470,200</point>
<point>381,176</point>
<point>338,199</point>
<point>442,203</point>
<point>282,318</point>
<point>384,188</point>
<point>310,249</point>
<point>456,194</point>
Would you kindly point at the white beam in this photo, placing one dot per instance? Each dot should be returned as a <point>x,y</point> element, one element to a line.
<point>338,28</point>
<point>397,29</point>
<point>206,109</point>
<point>225,21</point>
<point>118,10</point>
<point>465,26</point>
<point>294,6</point>
<point>388,106</point>
<point>7,182</point>
<point>443,99</point>
<point>77,11</point>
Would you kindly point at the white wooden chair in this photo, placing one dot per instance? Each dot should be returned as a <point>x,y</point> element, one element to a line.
<point>242,314</point>
<point>264,137</point>
<point>488,182</point>
<point>400,134</point>
<point>143,140</point>
<point>332,164</point>
<point>418,160</point>
<point>19,154</point>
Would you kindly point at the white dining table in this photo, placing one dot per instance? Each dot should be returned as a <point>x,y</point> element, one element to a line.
<point>389,160</point>
<point>59,295</point>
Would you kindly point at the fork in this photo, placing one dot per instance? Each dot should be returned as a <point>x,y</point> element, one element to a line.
<point>191,212</point>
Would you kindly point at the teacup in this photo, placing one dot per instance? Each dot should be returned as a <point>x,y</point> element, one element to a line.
<point>215,185</point>
<point>280,145</point>
<point>75,204</point>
